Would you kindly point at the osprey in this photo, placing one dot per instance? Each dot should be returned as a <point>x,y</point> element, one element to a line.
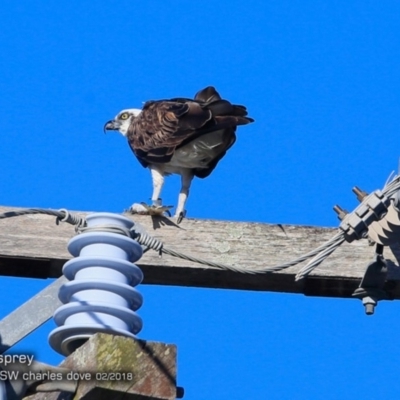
<point>180,136</point>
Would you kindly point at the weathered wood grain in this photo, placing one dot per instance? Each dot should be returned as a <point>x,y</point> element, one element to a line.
<point>146,370</point>
<point>35,246</point>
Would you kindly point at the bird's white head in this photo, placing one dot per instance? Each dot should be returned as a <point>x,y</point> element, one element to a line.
<point>122,121</point>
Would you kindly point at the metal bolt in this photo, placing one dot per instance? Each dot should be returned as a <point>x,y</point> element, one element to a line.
<point>369,309</point>
<point>361,194</point>
<point>340,211</point>
<point>369,304</point>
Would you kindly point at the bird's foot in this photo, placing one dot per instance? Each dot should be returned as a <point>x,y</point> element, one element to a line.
<point>180,216</point>
<point>145,209</point>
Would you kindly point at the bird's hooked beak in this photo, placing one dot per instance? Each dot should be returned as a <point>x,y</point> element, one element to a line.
<point>111,126</point>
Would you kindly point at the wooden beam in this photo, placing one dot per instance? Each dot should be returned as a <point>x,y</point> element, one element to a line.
<point>34,246</point>
<point>117,367</point>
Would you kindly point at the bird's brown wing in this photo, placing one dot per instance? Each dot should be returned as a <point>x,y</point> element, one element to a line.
<point>166,125</point>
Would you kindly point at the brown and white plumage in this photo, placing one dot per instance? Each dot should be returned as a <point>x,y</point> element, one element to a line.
<point>182,136</point>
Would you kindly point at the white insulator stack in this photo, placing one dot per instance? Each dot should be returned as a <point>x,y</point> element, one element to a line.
<point>100,296</point>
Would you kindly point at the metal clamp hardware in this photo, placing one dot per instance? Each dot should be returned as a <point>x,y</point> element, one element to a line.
<point>372,208</point>
<point>371,289</point>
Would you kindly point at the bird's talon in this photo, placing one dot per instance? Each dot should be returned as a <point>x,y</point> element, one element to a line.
<point>181,215</point>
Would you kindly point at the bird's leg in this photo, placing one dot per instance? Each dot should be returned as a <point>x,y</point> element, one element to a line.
<point>186,179</point>
<point>158,183</point>
<point>156,208</point>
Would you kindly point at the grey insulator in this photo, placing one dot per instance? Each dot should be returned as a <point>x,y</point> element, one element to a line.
<point>99,296</point>
<point>387,230</point>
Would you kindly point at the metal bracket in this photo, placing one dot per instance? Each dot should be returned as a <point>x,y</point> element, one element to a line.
<point>25,319</point>
<point>372,208</point>
<point>371,289</point>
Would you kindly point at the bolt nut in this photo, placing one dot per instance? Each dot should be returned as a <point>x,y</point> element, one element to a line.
<point>369,304</point>
<point>369,309</point>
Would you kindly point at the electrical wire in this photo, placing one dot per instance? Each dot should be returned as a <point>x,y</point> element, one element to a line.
<point>149,242</point>
<point>153,243</point>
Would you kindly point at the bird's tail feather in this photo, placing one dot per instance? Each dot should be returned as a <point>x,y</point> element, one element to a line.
<point>207,95</point>
<point>224,121</point>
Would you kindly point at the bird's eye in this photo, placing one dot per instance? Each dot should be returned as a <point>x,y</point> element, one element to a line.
<point>124,116</point>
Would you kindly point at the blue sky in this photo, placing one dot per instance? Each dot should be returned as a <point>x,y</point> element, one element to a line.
<point>320,78</point>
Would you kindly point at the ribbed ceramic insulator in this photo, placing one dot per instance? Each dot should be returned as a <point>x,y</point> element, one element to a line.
<point>100,296</point>
<point>387,230</point>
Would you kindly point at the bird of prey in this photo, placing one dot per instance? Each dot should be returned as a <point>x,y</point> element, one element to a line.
<point>180,136</point>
